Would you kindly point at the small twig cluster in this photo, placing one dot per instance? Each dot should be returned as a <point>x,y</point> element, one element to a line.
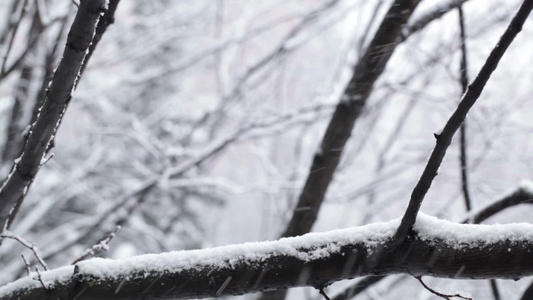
<point>102,245</point>
<point>32,247</point>
<point>36,254</point>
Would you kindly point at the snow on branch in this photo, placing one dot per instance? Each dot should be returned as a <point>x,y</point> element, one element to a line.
<point>521,195</point>
<point>434,247</point>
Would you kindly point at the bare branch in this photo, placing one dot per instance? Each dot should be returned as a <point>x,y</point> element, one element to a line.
<point>24,171</point>
<point>522,195</point>
<point>32,247</point>
<point>431,16</point>
<point>444,296</point>
<point>26,263</point>
<point>469,98</point>
<point>40,278</point>
<point>321,291</point>
<point>365,73</point>
<point>107,19</point>
<point>462,131</point>
<point>100,246</point>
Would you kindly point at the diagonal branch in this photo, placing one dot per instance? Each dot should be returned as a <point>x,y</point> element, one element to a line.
<point>421,22</point>
<point>469,98</point>
<point>365,74</point>
<point>25,169</point>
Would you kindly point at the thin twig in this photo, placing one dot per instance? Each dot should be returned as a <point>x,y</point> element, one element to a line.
<point>102,245</point>
<point>15,28</point>
<point>469,99</point>
<point>495,290</point>
<point>445,296</point>
<point>40,278</point>
<point>26,264</point>
<point>105,21</point>
<point>321,290</point>
<point>462,132</point>
<point>32,247</point>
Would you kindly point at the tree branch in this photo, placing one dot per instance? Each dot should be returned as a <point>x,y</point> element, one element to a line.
<point>433,15</point>
<point>365,73</point>
<point>325,162</point>
<point>107,19</point>
<point>522,195</point>
<point>469,98</point>
<point>435,248</point>
<point>462,131</point>
<point>59,94</point>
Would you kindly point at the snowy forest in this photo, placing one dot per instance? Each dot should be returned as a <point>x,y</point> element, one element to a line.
<point>284,149</point>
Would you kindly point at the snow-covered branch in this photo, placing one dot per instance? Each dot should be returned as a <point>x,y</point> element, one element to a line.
<point>434,247</point>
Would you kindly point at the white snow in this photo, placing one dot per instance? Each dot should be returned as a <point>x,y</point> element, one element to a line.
<point>322,245</point>
<point>439,131</point>
<point>460,236</point>
<point>316,245</point>
<point>526,185</point>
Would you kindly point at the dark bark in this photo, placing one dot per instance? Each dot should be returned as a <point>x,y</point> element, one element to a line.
<point>469,98</point>
<point>325,162</point>
<point>462,131</point>
<point>520,196</point>
<point>105,21</point>
<point>59,93</point>
<point>415,256</point>
<point>436,13</point>
<point>366,72</point>
<point>494,289</point>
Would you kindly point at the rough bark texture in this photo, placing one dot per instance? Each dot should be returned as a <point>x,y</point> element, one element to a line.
<point>433,257</point>
<point>59,93</point>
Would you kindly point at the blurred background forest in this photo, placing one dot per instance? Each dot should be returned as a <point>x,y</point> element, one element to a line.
<point>196,122</point>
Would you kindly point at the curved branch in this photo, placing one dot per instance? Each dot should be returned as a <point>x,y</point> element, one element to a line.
<point>435,247</point>
<point>107,19</point>
<point>421,22</point>
<point>522,195</point>
<point>365,74</point>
